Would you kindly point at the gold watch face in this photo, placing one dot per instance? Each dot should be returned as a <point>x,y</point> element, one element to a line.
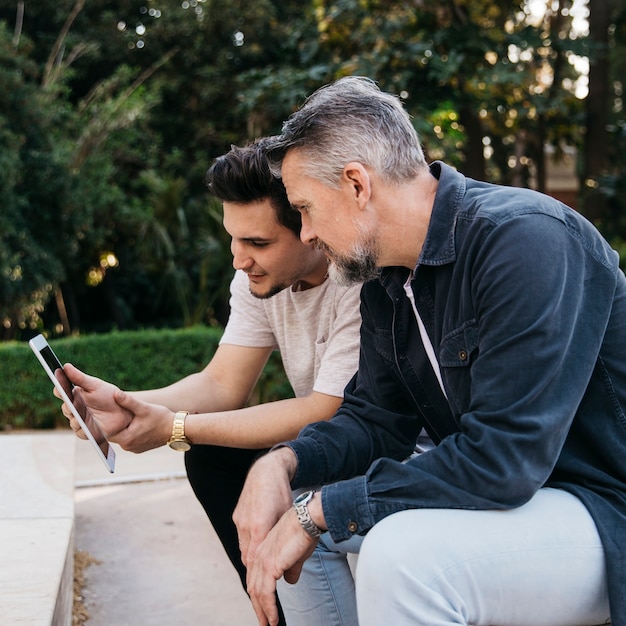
<point>182,446</point>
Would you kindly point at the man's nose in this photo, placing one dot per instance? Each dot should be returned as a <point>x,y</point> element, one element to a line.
<point>307,234</point>
<point>241,258</point>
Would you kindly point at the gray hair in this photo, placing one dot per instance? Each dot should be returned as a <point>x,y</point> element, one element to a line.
<point>352,120</point>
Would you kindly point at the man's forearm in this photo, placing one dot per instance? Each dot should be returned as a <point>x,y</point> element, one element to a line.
<point>195,394</point>
<point>214,388</point>
<point>260,426</point>
<point>285,459</point>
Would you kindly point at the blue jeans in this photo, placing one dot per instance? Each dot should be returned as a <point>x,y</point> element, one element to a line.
<point>324,594</point>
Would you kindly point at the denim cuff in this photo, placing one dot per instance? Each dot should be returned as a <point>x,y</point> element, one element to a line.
<point>346,508</point>
<point>311,466</point>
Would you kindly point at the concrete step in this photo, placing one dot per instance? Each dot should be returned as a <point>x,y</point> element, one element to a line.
<point>37,528</point>
<point>159,562</point>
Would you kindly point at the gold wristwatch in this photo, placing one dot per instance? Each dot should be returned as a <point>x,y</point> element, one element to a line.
<point>178,441</point>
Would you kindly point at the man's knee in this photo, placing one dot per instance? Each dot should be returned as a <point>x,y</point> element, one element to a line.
<point>468,565</point>
<point>206,463</point>
<point>407,536</point>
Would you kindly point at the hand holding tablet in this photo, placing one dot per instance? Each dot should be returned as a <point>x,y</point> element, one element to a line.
<point>71,397</point>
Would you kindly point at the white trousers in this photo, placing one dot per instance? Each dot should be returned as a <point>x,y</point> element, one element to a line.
<point>541,564</point>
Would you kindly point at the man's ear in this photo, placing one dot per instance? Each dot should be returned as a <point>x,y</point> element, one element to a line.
<point>357,178</point>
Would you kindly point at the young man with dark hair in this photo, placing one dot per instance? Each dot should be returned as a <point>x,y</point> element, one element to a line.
<point>281,299</point>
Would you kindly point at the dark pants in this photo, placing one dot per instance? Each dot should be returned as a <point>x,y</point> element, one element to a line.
<point>217,476</point>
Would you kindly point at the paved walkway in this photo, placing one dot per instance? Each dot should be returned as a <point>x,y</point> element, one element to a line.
<point>160,562</point>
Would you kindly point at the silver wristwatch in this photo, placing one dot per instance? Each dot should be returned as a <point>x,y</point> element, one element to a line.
<point>300,504</point>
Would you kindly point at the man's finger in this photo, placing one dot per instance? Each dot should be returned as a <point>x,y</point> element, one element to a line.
<point>66,411</point>
<point>243,548</point>
<point>79,378</point>
<point>73,422</point>
<point>293,573</point>
<point>263,601</point>
<point>128,401</point>
<point>76,427</point>
<point>260,615</point>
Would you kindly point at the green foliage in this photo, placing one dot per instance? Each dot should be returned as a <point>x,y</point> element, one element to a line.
<point>131,360</point>
<point>33,183</point>
<point>147,90</point>
<point>185,248</point>
<point>109,120</point>
<point>482,61</point>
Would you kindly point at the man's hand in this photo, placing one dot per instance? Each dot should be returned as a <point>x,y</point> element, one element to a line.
<point>283,552</point>
<point>266,495</point>
<point>150,425</point>
<point>135,425</point>
<point>99,396</point>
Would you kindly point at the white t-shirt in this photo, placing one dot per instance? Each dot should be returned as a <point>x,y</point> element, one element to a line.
<point>316,331</point>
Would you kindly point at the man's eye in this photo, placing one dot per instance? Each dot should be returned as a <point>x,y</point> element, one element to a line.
<point>259,244</point>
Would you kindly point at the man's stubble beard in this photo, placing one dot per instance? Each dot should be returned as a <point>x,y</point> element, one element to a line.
<point>270,293</point>
<point>297,274</point>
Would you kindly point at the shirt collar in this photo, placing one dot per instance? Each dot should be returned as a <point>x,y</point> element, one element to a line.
<point>438,248</point>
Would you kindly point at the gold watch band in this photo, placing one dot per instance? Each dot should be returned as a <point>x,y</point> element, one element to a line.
<point>178,440</point>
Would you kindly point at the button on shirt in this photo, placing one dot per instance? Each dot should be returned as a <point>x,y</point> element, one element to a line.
<point>525,306</point>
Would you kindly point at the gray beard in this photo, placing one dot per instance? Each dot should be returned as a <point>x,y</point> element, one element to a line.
<point>359,267</point>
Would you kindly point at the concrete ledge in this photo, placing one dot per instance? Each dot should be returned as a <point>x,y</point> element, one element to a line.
<point>37,528</point>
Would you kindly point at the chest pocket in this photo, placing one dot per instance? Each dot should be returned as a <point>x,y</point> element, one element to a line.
<point>383,343</point>
<point>458,351</point>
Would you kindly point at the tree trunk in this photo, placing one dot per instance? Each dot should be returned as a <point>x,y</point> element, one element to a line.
<point>474,166</point>
<point>595,156</point>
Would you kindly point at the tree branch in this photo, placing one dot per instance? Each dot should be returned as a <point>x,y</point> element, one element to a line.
<point>19,22</point>
<point>53,58</point>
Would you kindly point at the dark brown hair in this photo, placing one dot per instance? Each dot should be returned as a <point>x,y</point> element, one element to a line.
<point>243,175</point>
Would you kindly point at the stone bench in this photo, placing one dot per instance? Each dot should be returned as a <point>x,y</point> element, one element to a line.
<point>37,528</point>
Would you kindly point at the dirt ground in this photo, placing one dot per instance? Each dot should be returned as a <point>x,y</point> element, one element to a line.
<point>82,560</point>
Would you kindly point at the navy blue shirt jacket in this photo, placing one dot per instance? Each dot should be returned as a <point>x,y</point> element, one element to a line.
<point>525,305</point>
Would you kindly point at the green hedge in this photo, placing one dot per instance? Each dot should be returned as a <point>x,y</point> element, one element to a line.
<point>132,360</point>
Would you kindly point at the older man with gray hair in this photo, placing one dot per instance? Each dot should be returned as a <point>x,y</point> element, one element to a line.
<point>495,319</point>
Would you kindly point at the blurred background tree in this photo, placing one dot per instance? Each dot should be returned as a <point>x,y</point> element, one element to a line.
<point>112,110</point>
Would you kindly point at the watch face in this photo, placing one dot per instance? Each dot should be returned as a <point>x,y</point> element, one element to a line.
<point>303,498</point>
<point>182,446</point>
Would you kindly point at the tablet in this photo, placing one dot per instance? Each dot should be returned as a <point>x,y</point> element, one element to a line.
<point>71,397</point>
